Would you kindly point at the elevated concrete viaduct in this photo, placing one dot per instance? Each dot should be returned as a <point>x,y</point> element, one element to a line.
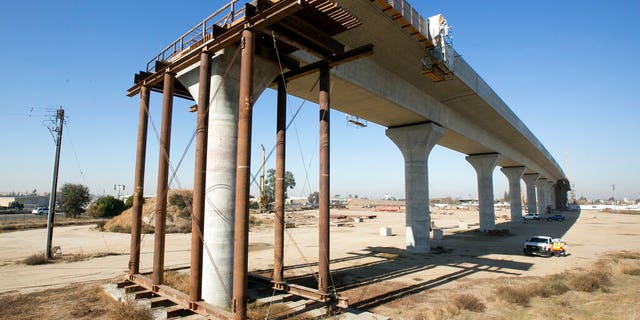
<point>375,59</point>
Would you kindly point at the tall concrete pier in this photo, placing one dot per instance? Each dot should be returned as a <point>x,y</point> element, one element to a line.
<point>221,164</point>
<point>415,142</point>
<point>530,181</point>
<point>484,165</point>
<point>514,175</point>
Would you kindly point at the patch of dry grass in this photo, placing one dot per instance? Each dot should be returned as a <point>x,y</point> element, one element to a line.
<point>76,257</point>
<point>78,301</point>
<point>259,311</point>
<point>468,302</point>
<point>588,281</point>
<point>624,255</point>
<point>520,295</point>
<point>41,222</point>
<point>35,259</point>
<point>632,271</point>
<point>38,258</point>
<point>128,310</point>
<point>177,280</point>
<point>598,277</point>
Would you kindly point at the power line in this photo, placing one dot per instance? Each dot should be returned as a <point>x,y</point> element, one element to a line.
<point>75,154</point>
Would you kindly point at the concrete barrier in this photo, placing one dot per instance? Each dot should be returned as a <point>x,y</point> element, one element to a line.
<point>385,232</point>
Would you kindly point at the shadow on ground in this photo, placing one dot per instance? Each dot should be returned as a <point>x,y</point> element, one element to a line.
<point>370,282</point>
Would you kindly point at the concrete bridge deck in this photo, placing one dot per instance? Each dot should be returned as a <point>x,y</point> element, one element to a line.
<point>388,88</point>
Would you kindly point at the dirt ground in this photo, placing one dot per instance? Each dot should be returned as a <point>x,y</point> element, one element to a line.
<point>371,270</point>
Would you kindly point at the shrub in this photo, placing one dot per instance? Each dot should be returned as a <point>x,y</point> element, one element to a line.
<point>517,295</point>
<point>35,259</point>
<point>181,201</point>
<point>129,202</point>
<point>120,229</point>
<point>469,302</point>
<point>554,285</point>
<point>179,227</point>
<point>588,281</point>
<point>100,225</point>
<point>105,207</point>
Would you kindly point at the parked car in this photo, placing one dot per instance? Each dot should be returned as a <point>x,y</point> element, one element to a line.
<point>556,217</point>
<point>531,216</point>
<point>40,210</point>
<point>538,245</point>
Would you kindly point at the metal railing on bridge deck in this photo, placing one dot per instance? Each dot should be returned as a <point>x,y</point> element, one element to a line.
<point>223,17</point>
<point>432,33</point>
<point>409,19</point>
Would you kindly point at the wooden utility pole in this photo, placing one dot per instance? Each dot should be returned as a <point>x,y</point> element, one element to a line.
<point>54,186</point>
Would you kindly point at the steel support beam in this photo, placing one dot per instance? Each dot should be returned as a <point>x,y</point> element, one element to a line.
<point>323,197</point>
<point>241,236</point>
<point>138,183</point>
<point>199,179</point>
<point>354,54</point>
<point>278,252</point>
<point>180,298</point>
<point>163,179</point>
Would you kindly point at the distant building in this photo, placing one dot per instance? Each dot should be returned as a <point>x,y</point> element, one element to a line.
<point>28,201</point>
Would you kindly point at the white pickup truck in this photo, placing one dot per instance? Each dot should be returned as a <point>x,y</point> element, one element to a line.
<point>539,245</point>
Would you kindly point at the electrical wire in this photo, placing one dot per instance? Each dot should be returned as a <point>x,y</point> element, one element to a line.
<point>74,152</point>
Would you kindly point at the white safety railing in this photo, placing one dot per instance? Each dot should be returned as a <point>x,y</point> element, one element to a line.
<point>224,16</point>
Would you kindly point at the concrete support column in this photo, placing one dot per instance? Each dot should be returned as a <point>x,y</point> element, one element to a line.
<point>551,196</point>
<point>415,143</point>
<point>138,183</point>
<point>514,174</point>
<point>220,186</point>
<point>530,180</point>
<point>163,179</point>
<point>540,187</point>
<point>484,165</point>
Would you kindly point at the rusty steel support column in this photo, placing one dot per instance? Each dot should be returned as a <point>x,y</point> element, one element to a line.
<point>323,197</point>
<point>278,252</point>
<point>138,183</point>
<point>241,236</point>
<point>163,177</point>
<point>199,179</point>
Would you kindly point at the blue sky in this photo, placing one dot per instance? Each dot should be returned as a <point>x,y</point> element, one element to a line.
<point>566,68</point>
